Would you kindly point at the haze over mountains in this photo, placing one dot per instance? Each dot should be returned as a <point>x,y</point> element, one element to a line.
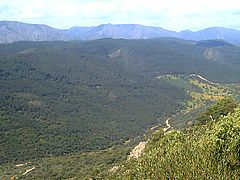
<point>11,31</point>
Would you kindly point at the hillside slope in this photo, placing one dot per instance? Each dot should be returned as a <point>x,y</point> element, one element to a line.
<point>208,151</point>
<point>63,97</point>
<point>58,98</point>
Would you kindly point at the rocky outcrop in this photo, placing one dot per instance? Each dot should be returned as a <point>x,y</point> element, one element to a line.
<point>138,150</point>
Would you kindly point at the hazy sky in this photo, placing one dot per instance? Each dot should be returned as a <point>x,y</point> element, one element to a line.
<point>169,14</point>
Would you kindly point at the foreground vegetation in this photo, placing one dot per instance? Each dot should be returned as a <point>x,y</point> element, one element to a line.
<point>207,151</point>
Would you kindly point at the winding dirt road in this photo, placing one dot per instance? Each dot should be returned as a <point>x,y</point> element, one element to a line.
<point>168,125</point>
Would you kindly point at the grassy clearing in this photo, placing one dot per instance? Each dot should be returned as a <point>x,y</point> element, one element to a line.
<point>199,90</point>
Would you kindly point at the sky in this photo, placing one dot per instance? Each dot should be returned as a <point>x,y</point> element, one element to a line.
<point>170,14</point>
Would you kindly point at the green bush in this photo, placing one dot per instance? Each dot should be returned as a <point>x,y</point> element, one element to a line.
<point>209,151</point>
<point>221,108</point>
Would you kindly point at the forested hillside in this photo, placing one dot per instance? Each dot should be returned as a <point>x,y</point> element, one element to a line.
<point>206,151</point>
<point>64,97</point>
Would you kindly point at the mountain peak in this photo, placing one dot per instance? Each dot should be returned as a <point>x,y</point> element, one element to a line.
<point>11,31</point>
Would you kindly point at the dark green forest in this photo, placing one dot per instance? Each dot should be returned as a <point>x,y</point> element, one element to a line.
<point>58,98</point>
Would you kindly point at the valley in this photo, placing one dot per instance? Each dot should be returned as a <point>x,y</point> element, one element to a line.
<point>82,106</point>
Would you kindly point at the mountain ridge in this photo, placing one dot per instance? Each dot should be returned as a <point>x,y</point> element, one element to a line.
<point>12,31</point>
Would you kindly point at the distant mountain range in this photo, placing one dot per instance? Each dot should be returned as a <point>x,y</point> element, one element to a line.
<point>11,31</point>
